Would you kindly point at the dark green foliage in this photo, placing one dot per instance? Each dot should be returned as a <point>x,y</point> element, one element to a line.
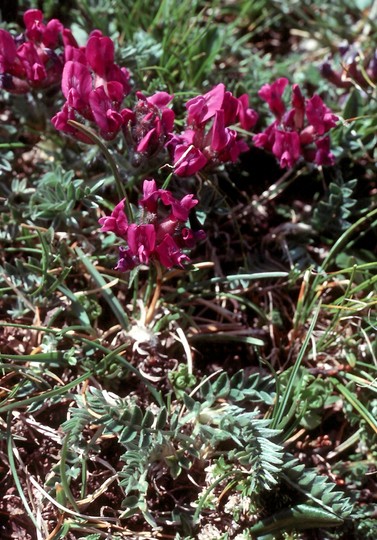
<point>331,215</point>
<point>57,195</point>
<point>238,442</point>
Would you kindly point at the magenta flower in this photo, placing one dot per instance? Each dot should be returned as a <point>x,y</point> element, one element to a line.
<point>33,60</point>
<point>220,135</point>
<point>160,100</point>
<point>76,86</point>
<point>12,69</point>
<point>106,117</point>
<point>170,254</point>
<point>157,236</point>
<point>298,132</point>
<point>209,138</point>
<point>39,33</point>
<point>202,108</point>
<point>266,138</point>
<point>68,38</point>
<point>127,261</point>
<point>148,126</point>
<point>233,150</point>
<point>34,68</point>
<point>179,209</point>
<point>93,85</point>
<point>117,222</point>
<point>33,23</point>
<point>150,196</point>
<point>116,74</point>
<point>189,237</point>
<point>60,122</point>
<point>286,147</point>
<point>320,116</point>
<point>272,94</point>
<point>323,155</point>
<point>298,108</point>
<point>99,52</point>
<point>52,33</point>
<point>148,141</point>
<point>8,51</point>
<point>141,241</point>
<point>230,106</point>
<point>188,160</point>
<point>74,54</point>
<point>247,117</point>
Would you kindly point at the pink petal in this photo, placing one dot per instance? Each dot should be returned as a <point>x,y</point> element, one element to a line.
<point>99,53</point>
<point>77,76</point>
<point>8,50</point>
<point>170,254</point>
<point>320,116</point>
<point>287,147</point>
<point>230,108</point>
<point>60,122</point>
<point>160,99</point>
<point>188,160</point>
<point>323,154</point>
<point>147,142</point>
<point>272,93</point>
<point>108,120</point>
<point>247,117</point>
<point>33,22</point>
<point>117,222</point>
<point>201,108</point>
<point>68,38</point>
<point>219,134</point>
<point>51,34</point>
<point>141,241</point>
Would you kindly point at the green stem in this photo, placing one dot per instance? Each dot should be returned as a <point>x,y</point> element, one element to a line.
<point>45,395</point>
<point>13,470</point>
<point>342,241</point>
<point>167,181</point>
<point>63,473</point>
<point>284,405</point>
<point>156,295</point>
<point>114,169</point>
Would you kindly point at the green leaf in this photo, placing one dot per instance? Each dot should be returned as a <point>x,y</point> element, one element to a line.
<point>107,293</point>
<point>300,517</point>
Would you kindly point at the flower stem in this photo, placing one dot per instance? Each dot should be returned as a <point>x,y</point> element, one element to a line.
<point>156,294</point>
<point>167,181</point>
<point>114,169</point>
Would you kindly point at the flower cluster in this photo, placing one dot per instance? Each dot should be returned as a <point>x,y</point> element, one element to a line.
<point>357,67</point>
<point>94,87</point>
<point>208,138</point>
<point>35,58</point>
<point>148,126</point>
<point>299,131</point>
<point>161,233</point>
